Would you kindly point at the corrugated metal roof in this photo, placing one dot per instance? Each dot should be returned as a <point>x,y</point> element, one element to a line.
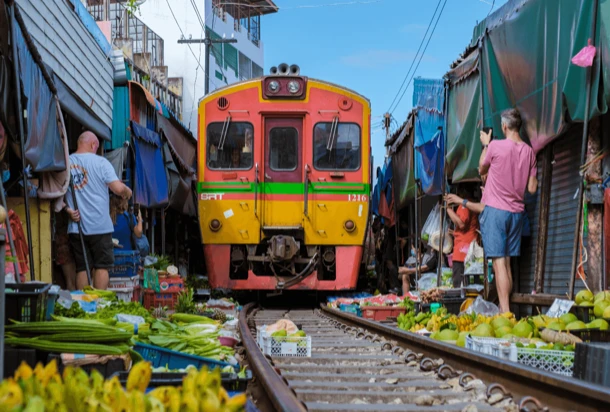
<point>68,48</point>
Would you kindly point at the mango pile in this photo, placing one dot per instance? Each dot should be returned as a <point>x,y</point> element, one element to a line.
<point>44,389</point>
<point>600,302</point>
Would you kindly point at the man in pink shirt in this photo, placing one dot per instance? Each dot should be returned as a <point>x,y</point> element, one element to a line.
<point>510,166</point>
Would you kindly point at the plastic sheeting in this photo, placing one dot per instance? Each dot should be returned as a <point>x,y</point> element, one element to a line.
<point>150,180</point>
<point>183,147</point>
<point>403,165</point>
<point>91,26</point>
<point>526,63</point>
<point>463,119</point>
<point>44,149</point>
<point>429,101</point>
<point>526,49</point>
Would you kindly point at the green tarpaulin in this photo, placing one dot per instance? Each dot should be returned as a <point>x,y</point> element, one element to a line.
<point>403,164</point>
<point>524,60</point>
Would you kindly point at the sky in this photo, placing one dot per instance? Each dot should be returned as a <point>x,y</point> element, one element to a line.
<point>369,45</point>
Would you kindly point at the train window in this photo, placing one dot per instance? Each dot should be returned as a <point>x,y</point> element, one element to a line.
<point>231,149</point>
<point>336,146</point>
<point>283,148</point>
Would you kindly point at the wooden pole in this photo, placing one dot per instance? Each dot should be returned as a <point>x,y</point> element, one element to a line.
<point>543,219</point>
<point>583,157</point>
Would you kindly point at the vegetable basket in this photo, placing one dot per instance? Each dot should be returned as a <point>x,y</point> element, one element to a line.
<point>27,302</point>
<point>170,359</point>
<point>283,346</point>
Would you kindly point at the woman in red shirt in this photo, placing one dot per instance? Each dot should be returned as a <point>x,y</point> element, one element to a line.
<point>466,226</point>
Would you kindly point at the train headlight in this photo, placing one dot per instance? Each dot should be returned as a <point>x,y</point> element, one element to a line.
<point>294,87</point>
<point>349,225</point>
<point>273,87</point>
<point>215,225</point>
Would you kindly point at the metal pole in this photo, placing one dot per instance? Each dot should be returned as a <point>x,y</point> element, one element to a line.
<point>583,158</point>
<point>10,236</point>
<point>439,269</point>
<point>20,116</point>
<point>80,233</point>
<point>163,231</point>
<point>207,67</point>
<point>2,298</point>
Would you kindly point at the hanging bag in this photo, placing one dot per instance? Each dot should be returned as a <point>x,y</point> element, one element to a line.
<point>137,243</point>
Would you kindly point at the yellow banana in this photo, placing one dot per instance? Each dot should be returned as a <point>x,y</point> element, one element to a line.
<point>24,371</point>
<point>139,377</point>
<point>189,403</point>
<point>35,404</point>
<point>156,405</point>
<point>236,403</point>
<point>11,395</point>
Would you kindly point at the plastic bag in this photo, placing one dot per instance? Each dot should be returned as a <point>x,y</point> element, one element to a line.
<point>433,223</point>
<point>482,307</point>
<point>474,261</point>
<point>585,57</point>
<point>427,281</point>
<point>151,280</point>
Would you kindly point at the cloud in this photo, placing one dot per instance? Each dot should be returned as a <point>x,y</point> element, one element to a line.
<point>413,28</point>
<point>376,58</point>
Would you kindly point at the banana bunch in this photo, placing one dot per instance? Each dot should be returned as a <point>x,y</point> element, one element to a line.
<point>43,389</point>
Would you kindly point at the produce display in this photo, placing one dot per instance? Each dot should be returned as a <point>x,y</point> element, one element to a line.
<point>600,302</point>
<point>285,330</point>
<point>43,388</point>
<point>70,336</point>
<point>194,338</point>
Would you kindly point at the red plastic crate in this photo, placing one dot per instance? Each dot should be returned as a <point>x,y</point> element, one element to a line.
<point>380,313</point>
<point>170,283</point>
<point>165,299</point>
<point>137,295</point>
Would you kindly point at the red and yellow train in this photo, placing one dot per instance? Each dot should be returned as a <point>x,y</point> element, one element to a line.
<point>284,183</point>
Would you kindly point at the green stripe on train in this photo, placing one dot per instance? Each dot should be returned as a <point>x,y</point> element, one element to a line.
<point>283,188</point>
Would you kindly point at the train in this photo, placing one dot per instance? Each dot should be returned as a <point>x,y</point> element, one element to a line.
<point>284,183</point>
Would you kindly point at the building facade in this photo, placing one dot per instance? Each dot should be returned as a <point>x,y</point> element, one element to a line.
<point>228,63</point>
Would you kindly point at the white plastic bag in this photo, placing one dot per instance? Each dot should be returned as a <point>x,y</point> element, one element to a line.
<point>474,262</point>
<point>433,223</point>
<point>427,281</point>
<point>482,307</point>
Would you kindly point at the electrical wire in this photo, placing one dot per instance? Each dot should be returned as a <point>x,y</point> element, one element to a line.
<point>189,46</point>
<point>313,6</point>
<point>421,56</point>
<point>416,54</point>
<point>493,3</point>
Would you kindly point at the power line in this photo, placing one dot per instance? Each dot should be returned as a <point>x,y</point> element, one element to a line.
<point>189,46</point>
<point>422,55</point>
<point>493,3</point>
<point>415,57</point>
<point>313,6</point>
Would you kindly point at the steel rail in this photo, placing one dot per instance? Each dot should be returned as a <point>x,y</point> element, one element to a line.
<point>526,384</point>
<point>280,395</point>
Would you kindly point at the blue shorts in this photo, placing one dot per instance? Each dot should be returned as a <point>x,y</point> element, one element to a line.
<point>501,232</point>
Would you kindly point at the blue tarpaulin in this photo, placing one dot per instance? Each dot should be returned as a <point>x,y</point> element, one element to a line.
<point>44,149</point>
<point>429,102</point>
<point>92,27</point>
<point>151,181</point>
<point>376,194</point>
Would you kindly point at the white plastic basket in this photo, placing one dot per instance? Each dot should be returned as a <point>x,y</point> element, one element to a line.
<point>123,283</point>
<point>124,294</point>
<point>556,361</point>
<point>485,345</point>
<point>280,346</point>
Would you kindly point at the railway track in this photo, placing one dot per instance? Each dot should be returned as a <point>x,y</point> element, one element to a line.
<point>360,365</point>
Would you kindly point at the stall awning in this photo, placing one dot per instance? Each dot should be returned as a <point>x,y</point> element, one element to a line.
<point>463,120</point>
<point>403,164</point>
<point>183,148</point>
<point>429,101</point>
<point>79,110</point>
<point>150,182</point>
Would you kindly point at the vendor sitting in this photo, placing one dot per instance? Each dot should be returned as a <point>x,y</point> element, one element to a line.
<point>429,263</point>
<point>122,225</point>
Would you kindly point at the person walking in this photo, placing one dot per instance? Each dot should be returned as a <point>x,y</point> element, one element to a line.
<point>510,165</point>
<point>92,176</point>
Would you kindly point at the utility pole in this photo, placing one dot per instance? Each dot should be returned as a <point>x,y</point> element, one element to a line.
<point>208,42</point>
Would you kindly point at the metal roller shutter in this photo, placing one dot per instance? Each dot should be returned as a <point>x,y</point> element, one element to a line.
<point>562,219</point>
